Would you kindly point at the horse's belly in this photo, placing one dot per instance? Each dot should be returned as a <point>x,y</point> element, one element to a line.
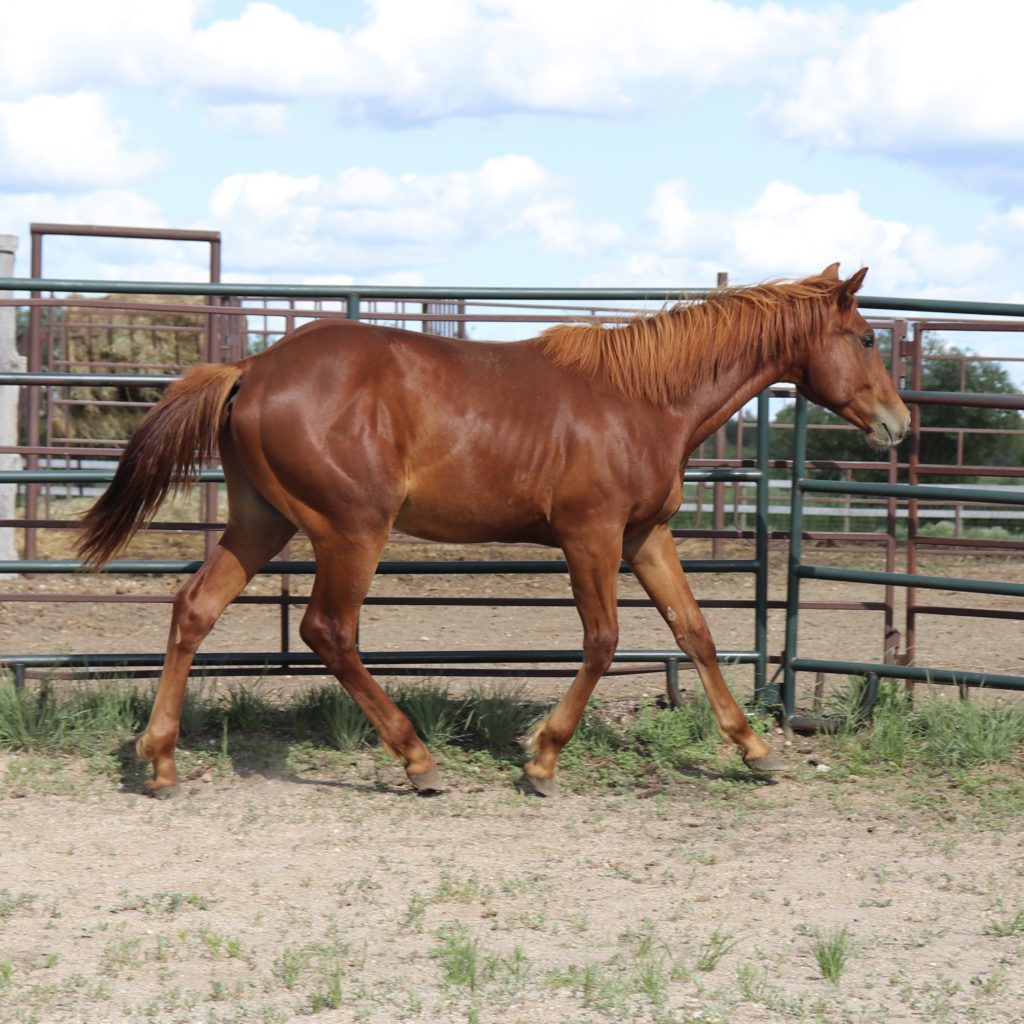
<point>471,518</point>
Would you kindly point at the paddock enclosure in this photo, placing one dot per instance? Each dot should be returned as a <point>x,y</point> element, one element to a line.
<point>323,889</point>
<point>95,351</point>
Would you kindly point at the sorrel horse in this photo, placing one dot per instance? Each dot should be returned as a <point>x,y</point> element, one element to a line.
<point>577,439</point>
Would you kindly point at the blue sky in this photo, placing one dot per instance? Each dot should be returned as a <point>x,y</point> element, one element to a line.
<point>524,142</point>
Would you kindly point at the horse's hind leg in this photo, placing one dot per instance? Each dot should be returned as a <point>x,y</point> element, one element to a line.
<point>254,534</point>
<point>345,568</point>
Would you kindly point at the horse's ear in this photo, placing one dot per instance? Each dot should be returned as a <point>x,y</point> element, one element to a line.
<point>831,272</point>
<point>850,287</point>
<point>853,284</point>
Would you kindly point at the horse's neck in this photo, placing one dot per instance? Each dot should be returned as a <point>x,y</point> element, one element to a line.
<point>713,405</point>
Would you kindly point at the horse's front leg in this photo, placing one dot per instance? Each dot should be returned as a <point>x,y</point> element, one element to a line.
<point>656,563</point>
<point>593,572</point>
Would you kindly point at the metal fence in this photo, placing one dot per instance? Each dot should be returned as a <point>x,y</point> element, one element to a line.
<point>718,506</point>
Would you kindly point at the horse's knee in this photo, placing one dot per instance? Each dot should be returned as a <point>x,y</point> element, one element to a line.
<point>599,646</point>
<point>694,637</point>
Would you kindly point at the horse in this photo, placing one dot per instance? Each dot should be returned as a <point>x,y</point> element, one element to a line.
<point>576,439</point>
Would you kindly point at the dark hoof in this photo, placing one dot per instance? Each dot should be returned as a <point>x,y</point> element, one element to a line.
<point>161,792</point>
<point>533,785</point>
<point>769,764</point>
<point>427,783</point>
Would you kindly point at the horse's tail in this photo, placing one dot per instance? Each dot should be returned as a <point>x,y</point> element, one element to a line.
<point>165,452</point>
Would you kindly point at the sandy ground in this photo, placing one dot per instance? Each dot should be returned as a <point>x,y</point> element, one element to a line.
<point>333,891</point>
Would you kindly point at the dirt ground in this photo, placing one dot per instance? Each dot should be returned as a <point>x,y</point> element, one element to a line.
<point>329,890</point>
<point>335,892</point>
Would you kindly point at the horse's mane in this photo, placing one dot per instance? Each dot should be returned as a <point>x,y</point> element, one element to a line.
<point>663,356</point>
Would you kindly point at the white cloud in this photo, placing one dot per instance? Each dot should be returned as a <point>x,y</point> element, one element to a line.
<point>366,221</point>
<point>63,45</point>
<point>71,141</point>
<point>931,74</point>
<point>409,60</point>
<point>268,120</point>
<point>789,232</point>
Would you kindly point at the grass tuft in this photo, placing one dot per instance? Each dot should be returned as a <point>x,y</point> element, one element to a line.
<point>497,717</point>
<point>936,733</point>
<point>832,950</point>
<point>432,711</point>
<point>678,737</point>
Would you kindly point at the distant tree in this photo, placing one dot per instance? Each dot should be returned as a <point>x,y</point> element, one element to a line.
<point>938,448</point>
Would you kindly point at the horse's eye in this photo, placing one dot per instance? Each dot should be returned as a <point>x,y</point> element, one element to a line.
<point>868,340</point>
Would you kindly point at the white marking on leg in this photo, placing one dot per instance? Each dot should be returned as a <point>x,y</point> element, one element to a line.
<point>670,614</point>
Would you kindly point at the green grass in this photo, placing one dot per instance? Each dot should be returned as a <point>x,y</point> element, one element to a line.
<point>681,737</point>
<point>936,733</point>
<point>328,711</point>
<point>462,962</point>
<point>78,721</point>
<point>438,719</point>
<point>497,717</point>
<point>641,971</point>
<point>832,951</point>
<point>11,904</point>
<point>714,949</point>
<point>1007,926</point>
<point>976,743</point>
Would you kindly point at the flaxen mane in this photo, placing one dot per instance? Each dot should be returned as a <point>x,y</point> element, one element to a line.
<point>665,356</point>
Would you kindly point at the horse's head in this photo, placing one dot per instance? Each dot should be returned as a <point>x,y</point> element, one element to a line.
<point>846,373</point>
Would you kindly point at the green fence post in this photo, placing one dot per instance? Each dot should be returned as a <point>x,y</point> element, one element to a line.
<point>796,527</point>
<point>763,694</point>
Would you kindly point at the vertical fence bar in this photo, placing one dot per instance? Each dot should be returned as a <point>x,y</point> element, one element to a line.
<point>33,399</point>
<point>761,695</point>
<point>796,527</point>
<point>10,361</point>
<point>913,459</point>
<point>352,306</point>
<point>212,353</point>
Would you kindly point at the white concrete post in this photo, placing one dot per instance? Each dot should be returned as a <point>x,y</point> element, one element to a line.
<point>9,361</point>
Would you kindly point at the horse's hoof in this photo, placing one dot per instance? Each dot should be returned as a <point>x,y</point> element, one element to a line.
<point>768,764</point>
<point>161,792</point>
<point>534,785</point>
<point>427,783</point>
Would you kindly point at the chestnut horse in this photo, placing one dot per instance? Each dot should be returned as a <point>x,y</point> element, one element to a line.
<point>577,439</point>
